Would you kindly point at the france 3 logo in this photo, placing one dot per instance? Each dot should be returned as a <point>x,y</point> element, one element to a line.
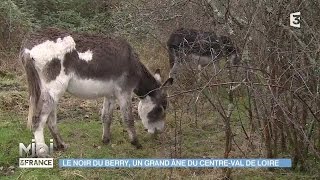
<point>295,19</point>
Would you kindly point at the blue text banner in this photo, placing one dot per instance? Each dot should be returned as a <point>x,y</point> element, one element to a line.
<point>174,163</point>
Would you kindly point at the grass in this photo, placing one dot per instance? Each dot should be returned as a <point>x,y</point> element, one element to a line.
<point>81,128</point>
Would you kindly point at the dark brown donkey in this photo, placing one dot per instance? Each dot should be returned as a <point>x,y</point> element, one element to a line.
<point>88,66</point>
<point>200,48</point>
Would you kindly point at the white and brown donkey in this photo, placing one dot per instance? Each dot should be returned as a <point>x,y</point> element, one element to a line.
<point>88,66</point>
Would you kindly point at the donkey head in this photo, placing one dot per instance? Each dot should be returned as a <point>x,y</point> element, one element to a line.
<point>152,108</point>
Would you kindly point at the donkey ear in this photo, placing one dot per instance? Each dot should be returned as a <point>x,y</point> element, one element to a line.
<point>168,82</point>
<point>157,75</point>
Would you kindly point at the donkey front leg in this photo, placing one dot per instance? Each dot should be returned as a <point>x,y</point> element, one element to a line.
<point>106,117</point>
<point>175,70</point>
<point>52,125</point>
<point>125,101</point>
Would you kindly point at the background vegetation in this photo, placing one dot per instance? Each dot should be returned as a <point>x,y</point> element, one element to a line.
<point>268,106</point>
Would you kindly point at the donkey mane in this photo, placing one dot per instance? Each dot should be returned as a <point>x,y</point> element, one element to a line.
<point>146,84</point>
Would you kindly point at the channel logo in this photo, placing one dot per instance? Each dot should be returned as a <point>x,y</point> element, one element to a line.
<point>31,150</point>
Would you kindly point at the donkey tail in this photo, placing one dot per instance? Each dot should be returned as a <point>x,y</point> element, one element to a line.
<point>34,84</point>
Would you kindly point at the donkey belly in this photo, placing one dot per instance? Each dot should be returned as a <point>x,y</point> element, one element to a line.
<point>89,89</point>
<point>201,60</point>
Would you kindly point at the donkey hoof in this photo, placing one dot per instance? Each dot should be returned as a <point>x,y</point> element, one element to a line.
<point>105,140</point>
<point>62,147</point>
<point>42,153</point>
<point>136,144</point>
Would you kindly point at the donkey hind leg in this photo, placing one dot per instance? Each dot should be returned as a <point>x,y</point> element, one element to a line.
<point>52,125</point>
<point>45,106</point>
<point>106,117</point>
<point>125,101</point>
